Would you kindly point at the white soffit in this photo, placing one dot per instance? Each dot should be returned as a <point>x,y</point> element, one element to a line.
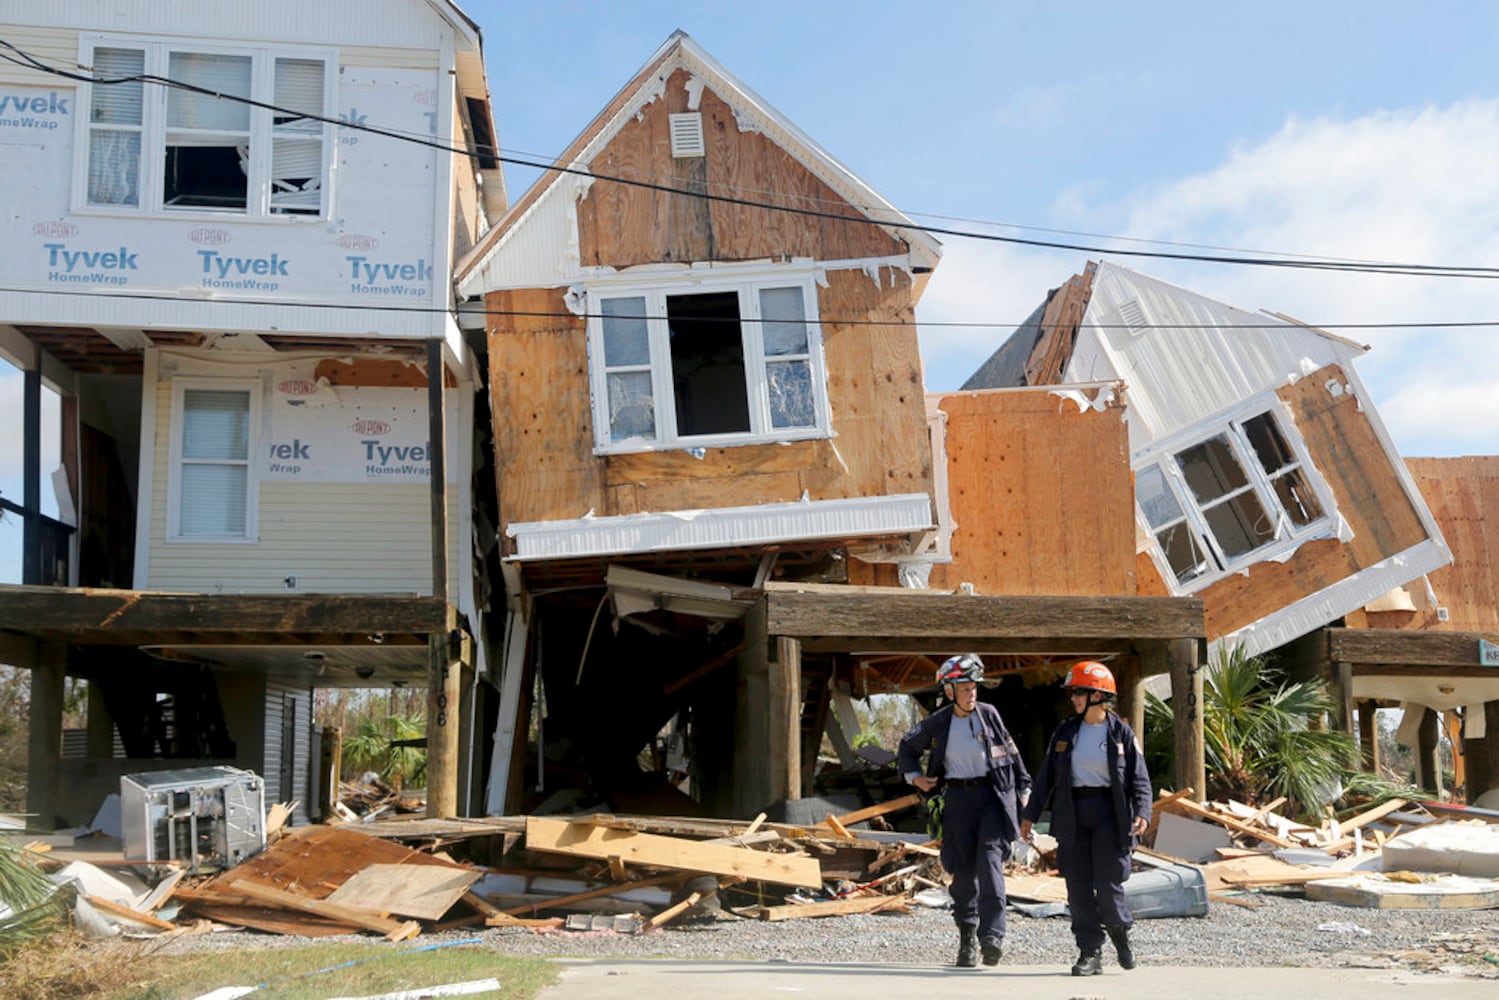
<point>1440,693</point>
<point>724,527</point>
<point>1184,356</point>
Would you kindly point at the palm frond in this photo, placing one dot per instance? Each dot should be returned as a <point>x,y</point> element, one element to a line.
<point>31,904</point>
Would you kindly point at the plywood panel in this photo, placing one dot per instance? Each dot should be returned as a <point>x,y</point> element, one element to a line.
<point>1463,494</point>
<point>1041,494</point>
<point>739,491</point>
<point>538,371</point>
<point>621,225</point>
<point>1344,447</point>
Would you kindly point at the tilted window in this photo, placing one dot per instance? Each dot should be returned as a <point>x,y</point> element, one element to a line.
<point>1232,499</point>
<point>182,147</point>
<point>735,364</point>
<point>213,481</point>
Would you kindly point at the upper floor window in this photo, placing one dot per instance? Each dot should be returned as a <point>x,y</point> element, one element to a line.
<point>733,364</point>
<point>182,148</point>
<point>1233,499</point>
<point>212,494</point>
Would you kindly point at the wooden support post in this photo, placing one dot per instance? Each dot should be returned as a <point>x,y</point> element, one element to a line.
<point>843,726</point>
<point>1131,692</point>
<point>787,713</point>
<point>1368,734</point>
<point>44,743</point>
<point>101,728</point>
<point>1428,776</point>
<point>1340,687</point>
<point>1186,708</point>
<point>444,703</point>
<point>760,765</point>
<point>330,760</point>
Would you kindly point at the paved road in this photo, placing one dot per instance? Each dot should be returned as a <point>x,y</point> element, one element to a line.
<point>636,979</point>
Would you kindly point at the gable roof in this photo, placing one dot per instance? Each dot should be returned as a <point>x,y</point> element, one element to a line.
<point>648,84</point>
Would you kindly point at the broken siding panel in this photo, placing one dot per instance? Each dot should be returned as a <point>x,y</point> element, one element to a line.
<point>621,225</point>
<point>1463,495</point>
<point>1041,496</point>
<point>538,376</point>
<point>1346,450</point>
<point>389,58</point>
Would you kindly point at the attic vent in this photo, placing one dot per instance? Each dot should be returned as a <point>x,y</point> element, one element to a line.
<point>687,135</point>
<point>1134,317</point>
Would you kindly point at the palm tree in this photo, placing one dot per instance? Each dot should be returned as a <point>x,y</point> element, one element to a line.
<point>382,745</point>
<point>31,905</point>
<point>1260,737</point>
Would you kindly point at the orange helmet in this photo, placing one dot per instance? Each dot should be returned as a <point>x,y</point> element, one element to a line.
<point>1090,675</point>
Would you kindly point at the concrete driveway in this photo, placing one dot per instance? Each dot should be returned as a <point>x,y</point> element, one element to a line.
<point>636,979</point>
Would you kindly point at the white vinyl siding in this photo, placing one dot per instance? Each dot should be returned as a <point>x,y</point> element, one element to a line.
<point>282,697</point>
<point>53,46</point>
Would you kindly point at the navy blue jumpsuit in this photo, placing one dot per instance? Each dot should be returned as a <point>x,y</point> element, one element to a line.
<point>1092,827</point>
<point>980,819</point>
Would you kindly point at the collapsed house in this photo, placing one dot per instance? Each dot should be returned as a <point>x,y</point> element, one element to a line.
<point>257,370</point>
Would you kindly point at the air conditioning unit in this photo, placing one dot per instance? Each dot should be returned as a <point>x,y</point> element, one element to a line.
<point>203,818</point>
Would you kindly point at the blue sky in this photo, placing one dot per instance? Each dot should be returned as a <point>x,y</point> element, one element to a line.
<point>1366,130</point>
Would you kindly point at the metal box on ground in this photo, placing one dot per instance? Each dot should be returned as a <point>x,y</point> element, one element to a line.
<point>204,818</point>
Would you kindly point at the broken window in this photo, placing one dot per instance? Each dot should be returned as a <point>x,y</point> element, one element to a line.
<point>1229,500</point>
<point>199,144</point>
<point>733,365</point>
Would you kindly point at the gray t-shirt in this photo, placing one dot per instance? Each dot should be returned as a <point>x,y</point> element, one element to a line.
<point>1090,756</point>
<point>965,748</point>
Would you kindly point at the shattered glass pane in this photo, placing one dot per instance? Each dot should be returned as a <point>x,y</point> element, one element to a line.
<point>784,320</point>
<point>1211,469</point>
<point>1240,524</point>
<point>1269,444</point>
<point>1296,496</point>
<point>790,394</point>
<point>1155,499</point>
<point>632,408</point>
<point>625,339</point>
<point>1184,553</point>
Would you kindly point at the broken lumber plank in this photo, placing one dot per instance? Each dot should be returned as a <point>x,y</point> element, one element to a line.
<point>1259,814</point>
<point>859,815</point>
<point>1202,812</point>
<point>393,930</point>
<point>1164,798</point>
<point>578,897</point>
<point>506,920</point>
<point>754,825</point>
<point>590,841</point>
<point>1355,823</point>
<point>1223,897</point>
<point>425,892</point>
<point>833,907</point>
<point>673,911</point>
<point>126,913</point>
<point>838,828</point>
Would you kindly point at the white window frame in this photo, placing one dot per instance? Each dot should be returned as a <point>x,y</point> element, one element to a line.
<point>1288,535</point>
<point>747,285</point>
<point>255,391</point>
<point>153,129</point>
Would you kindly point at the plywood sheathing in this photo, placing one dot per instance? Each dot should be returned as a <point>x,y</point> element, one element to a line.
<point>1367,488</point>
<point>544,425</point>
<point>621,225</point>
<point>1040,492</point>
<point>1463,495</point>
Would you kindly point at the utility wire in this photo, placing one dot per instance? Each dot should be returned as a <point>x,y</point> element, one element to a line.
<point>1245,259</point>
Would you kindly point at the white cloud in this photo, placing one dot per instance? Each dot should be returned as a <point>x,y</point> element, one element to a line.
<point>1418,186</point>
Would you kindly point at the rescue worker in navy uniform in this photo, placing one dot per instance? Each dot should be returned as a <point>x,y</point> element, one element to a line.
<point>1095,781</point>
<point>974,764</point>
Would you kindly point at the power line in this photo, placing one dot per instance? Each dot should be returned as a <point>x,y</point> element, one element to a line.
<point>280,303</point>
<point>1289,261</point>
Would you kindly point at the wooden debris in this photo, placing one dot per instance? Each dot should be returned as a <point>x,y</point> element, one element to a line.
<point>426,892</point>
<point>839,830</point>
<point>586,839</point>
<point>834,907</point>
<point>894,805</point>
<point>392,929</point>
<point>578,897</point>
<point>1191,808</point>
<point>673,911</point>
<point>126,913</point>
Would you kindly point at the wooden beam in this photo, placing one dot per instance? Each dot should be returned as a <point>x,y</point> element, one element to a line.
<point>444,704</point>
<point>126,913</point>
<point>894,614</point>
<point>1186,711</point>
<point>832,907</point>
<point>394,930</point>
<point>590,841</point>
<point>786,677</point>
<point>1259,833</point>
<point>859,815</point>
<point>1398,650</point>
<point>1368,735</point>
<point>1340,687</point>
<point>1428,764</point>
<point>939,641</point>
<point>44,739</point>
<point>673,911</point>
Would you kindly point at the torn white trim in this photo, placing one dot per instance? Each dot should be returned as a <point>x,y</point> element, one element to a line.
<point>1079,396</point>
<point>694,87</point>
<point>724,527</point>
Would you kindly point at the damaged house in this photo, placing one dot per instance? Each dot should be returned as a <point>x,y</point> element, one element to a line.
<point>715,462</point>
<point>264,407</point>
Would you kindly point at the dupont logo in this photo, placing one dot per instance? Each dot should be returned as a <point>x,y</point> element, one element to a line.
<point>297,387</point>
<point>426,98</point>
<point>54,230</point>
<point>366,428</point>
<point>354,241</point>
<point>209,237</point>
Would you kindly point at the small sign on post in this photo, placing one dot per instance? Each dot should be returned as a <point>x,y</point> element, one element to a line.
<point>1488,653</point>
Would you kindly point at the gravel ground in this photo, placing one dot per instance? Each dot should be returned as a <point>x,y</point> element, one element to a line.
<point>1280,932</point>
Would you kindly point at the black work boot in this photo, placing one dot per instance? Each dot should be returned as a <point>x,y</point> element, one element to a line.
<point>992,949</point>
<point>1089,963</point>
<point>968,947</point>
<point>1120,936</point>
